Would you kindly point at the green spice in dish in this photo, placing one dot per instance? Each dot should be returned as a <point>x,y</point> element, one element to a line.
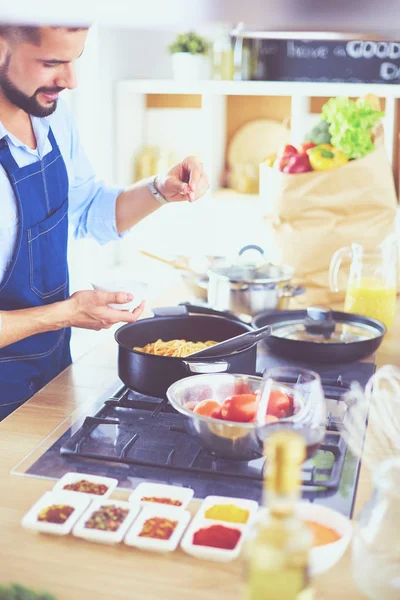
<point>107,518</point>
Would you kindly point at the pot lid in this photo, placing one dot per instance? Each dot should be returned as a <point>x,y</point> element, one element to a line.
<point>252,269</point>
<point>318,326</point>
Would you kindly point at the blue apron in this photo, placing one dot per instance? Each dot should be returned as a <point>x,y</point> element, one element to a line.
<point>38,274</point>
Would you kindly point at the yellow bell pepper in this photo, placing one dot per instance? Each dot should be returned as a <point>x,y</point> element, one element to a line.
<point>325,157</point>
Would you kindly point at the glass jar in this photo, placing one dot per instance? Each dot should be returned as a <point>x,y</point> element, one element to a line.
<point>376,542</point>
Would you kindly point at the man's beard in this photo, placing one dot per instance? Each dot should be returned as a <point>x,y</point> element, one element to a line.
<point>27,103</point>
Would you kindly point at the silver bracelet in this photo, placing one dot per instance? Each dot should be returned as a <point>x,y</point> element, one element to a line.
<point>154,192</point>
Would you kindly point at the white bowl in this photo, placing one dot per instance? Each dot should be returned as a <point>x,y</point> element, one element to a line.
<point>138,289</point>
<point>324,557</point>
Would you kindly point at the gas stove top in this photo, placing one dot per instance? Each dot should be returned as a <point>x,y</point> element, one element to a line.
<point>137,438</point>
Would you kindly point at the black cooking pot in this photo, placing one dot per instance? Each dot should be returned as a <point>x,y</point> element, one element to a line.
<point>321,335</point>
<point>152,375</point>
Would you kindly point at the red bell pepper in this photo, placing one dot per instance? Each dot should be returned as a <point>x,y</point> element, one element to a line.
<point>297,163</point>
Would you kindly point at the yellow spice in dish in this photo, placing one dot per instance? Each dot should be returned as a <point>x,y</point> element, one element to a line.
<point>227,512</point>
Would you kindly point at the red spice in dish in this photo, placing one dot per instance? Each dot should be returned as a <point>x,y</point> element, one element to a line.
<point>87,487</point>
<point>217,536</point>
<point>161,500</point>
<point>159,528</point>
<point>107,518</point>
<point>56,513</point>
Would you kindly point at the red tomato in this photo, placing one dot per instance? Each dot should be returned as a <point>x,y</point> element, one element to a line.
<point>239,407</point>
<point>206,407</point>
<point>279,404</point>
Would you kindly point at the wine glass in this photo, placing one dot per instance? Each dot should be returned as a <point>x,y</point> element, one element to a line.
<point>292,398</point>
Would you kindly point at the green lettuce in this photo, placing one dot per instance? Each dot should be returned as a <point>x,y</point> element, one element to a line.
<point>350,125</point>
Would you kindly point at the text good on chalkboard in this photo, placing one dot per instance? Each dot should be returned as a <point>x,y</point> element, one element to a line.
<point>325,61</point>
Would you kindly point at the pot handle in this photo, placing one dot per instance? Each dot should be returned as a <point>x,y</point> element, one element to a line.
<point>220,366</point>
<point>288,291</point>
<point>251,247</point>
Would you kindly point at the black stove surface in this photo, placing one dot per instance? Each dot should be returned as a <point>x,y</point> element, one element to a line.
<point>137,438</point>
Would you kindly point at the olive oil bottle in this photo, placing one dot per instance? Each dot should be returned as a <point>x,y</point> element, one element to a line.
<point>277,555</point>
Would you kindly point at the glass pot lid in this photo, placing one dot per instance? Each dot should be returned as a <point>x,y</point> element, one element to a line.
<point>318,326</point>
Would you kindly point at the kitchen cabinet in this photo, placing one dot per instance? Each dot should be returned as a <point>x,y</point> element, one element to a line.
<point>211,118</point>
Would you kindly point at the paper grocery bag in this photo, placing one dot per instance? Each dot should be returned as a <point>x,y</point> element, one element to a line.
<point>309,216</point>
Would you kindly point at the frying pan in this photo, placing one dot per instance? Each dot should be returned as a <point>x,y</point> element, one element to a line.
<point>151,375</point>
<point>319,324</point>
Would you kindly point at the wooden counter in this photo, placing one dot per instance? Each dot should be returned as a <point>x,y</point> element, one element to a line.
<point>74,569</point>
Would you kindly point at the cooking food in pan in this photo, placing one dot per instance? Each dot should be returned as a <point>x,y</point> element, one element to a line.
<point>177,348</point>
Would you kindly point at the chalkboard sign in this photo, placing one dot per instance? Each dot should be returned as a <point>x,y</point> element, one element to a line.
<point>325,61</point>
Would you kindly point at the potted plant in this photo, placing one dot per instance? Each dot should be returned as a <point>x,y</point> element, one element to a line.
<point>190,56</point>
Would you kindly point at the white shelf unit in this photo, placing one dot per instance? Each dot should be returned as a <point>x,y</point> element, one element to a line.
<point>130,115</point>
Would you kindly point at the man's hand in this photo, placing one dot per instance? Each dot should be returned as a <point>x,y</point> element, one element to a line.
<point>185,181</point>
<point>90,310</point>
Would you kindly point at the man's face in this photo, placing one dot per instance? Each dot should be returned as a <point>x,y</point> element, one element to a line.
<point>32,76</point>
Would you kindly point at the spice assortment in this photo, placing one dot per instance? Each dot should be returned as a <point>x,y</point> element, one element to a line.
<point>93,486</point>
<point>153,519</point>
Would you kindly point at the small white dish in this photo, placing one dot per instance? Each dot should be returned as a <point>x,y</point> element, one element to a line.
<point>100,535</point>
<point>77,501</point>
<point>73,478</point>
<point>209,501</point>
<point>161,490</point>
<point>324,557</point>
<point>210,552</point>
<point>138,289</point>
<point>133,538</point>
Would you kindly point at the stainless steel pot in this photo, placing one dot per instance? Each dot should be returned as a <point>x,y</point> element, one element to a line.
<point>251,288</point>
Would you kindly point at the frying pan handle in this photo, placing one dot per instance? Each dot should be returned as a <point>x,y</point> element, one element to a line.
<point>205,310</point>
<point>220,366</point>
<point>170,311</point>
